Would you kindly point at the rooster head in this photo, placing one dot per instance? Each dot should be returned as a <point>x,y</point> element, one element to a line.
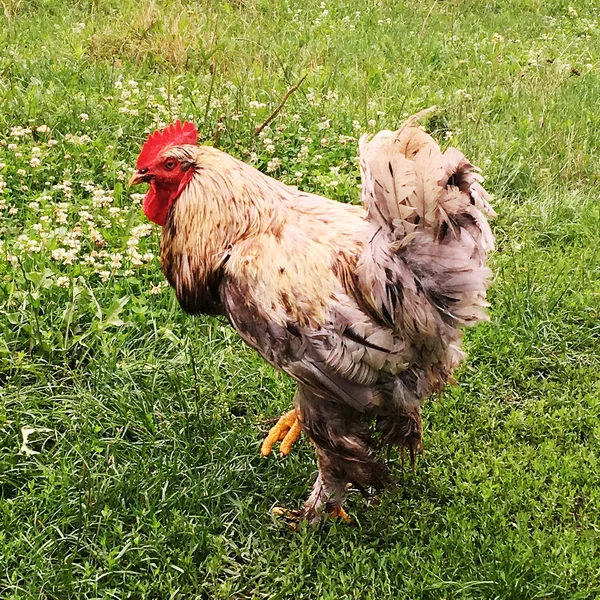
<point>163,164</point>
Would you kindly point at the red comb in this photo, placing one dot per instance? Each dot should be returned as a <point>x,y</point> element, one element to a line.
<point>173,135</point>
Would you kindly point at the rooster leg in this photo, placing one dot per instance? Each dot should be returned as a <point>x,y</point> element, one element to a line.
<point>341,438</point>
<point>294,517</point>
<point>286,430</point>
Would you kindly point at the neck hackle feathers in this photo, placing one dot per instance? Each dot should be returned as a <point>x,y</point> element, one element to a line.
<point>174,134</point>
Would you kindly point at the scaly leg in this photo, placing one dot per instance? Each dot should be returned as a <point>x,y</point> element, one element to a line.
<point>287,431</point>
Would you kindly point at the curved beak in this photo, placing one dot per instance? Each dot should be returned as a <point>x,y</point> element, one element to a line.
<point>138,178</point>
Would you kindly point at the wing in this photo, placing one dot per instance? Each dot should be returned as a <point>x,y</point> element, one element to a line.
<point>301,321</point>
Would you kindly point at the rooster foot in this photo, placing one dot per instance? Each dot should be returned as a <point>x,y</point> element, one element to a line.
<point>295,517</point>
<point>286,431</point>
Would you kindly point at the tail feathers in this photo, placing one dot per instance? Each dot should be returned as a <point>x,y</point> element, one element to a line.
<point>409,184</point>
<point>428,211</point>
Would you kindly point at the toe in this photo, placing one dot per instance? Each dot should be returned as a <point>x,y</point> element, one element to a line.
<point>291,436</point>
<point>280,432</point>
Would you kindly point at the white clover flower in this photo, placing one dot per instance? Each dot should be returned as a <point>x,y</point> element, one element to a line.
<point>142,230</point>
<point>572,12</point>
<point>303,153</point>
<point>61,216</point>
<point>43,129</point>
<point>84,117</point>
<point>325,123</point>
<point>497,38</point>
<point>462,93</point>
<point>51,143</point>
<point>18,131</point>
<point>21,172</point>
<point>28,245</point>
<point>137,197</point>
<point>135,256</point>
<point>96,237</point>
<point>13,210</point>
<point>12,147</point>
<point>273,164</point>
<point>62,282</point>
<point>35,162</point>
<point>346,139</point>
<point>254,104</point>
<point>324,142</point>
<point>104,275</point>
<point>34,205</point>
<point>155,289</point>
<point>448,135</point>
<point>372,123</point>
<point>116,260</point>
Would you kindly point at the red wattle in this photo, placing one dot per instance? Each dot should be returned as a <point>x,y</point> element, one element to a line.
<point>155,208</point>
<point>159,198</point>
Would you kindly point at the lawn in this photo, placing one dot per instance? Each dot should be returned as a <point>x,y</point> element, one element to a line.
<point>130,432</point>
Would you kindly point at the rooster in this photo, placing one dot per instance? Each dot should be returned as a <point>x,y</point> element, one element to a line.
<point>364,307</point>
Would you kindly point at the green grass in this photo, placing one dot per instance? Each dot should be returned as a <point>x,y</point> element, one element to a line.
<point>141,476</point>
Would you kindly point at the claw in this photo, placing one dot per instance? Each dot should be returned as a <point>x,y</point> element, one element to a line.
<point>338,511</point>
<point>286,431</point>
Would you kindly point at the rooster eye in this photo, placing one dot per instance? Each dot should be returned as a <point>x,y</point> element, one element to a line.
<point>170,165</point>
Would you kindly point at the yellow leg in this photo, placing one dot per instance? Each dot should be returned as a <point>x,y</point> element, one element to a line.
<point>286,431</point>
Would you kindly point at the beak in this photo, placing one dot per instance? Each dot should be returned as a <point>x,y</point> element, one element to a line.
<point>137,178</point>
